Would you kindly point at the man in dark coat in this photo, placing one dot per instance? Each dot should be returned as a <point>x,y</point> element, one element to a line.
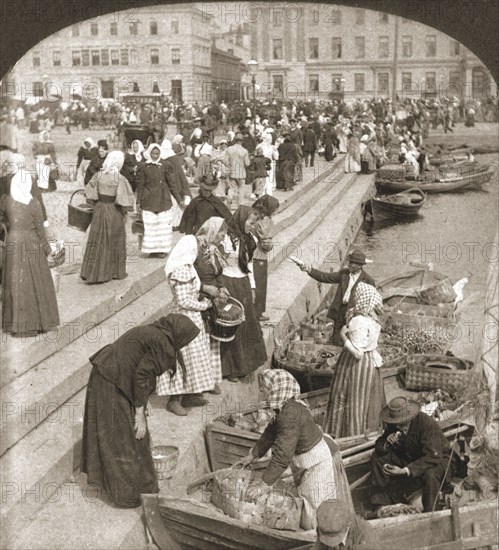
<point>347,280</point>
<point>412,451</point>
<point>309,145</point>
<point>97,160</point>
<point>203,207</point>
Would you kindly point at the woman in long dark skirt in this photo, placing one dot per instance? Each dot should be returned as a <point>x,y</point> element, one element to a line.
<point>29,302</point>
<point>266,205</point>
<point>288,158</point>
<point>247,351</point>
<point>357,394</point>
<point>116,452</point>
<point>105,252</point>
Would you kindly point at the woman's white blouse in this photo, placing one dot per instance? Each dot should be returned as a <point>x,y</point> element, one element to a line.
<point>363,333</point>
<point>232,268</point>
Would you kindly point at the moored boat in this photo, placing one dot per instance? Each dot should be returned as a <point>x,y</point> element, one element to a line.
<point>402,205</point>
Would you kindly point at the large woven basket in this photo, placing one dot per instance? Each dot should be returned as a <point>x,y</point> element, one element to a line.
<point>320,332</point>
<point>431,372</point>
<point>224,329</point>
<point>79,216</point>
<point>279,509</point>
<point>438,293</point>
<point>165,458</point>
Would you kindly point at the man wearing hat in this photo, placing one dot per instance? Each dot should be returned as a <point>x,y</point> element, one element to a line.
<point>412,452</point>
<point>203,207</point>
<point>347,280</point>
<point>237,159</point>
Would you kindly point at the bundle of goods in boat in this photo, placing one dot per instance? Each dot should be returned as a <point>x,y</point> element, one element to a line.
<point>441,292</point>
<point>318,329</point>
<point>417,341</point>
<point>304,354</point>
<point>280,508</point>
<point>390,354</point>
<point>255,421</point>
<point>394,510</point>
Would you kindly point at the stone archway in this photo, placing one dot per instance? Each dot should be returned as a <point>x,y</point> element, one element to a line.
<point>471,22</point>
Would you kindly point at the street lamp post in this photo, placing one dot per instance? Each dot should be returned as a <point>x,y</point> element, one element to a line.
<point>253,65</point>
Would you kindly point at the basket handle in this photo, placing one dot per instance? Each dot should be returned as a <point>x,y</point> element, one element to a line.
<point>74,193</point>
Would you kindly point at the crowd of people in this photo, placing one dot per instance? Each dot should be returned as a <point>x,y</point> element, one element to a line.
<point>223,253</point>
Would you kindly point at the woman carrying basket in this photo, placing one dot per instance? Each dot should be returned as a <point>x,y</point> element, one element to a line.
<point>203,370</point>
<point>297,441</point>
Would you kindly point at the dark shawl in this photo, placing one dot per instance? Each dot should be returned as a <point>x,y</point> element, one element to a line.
<point>192,221</point>
<point>266,204</point>
<point>237,234</point>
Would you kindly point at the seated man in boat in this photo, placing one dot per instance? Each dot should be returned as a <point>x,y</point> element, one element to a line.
<point>297,441</point>
<point>412,451</point>
<point>347,281</point>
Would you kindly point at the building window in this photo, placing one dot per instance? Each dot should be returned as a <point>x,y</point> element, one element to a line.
<point>153,27</point>
<point>115,57</point>
<point>383,17</point>
<point>455,81</point>
<point>56,58</point>
<point>75,30</point>
<point>154,56</point>
<point>113,28</point>
<point>360,16</point>
<point>133,28</point>
<point>155,87</point>
<point>406,82</point>
<point>277,17</point>
<point>336,47</point>
<point>313,83</point>
<point>85,58</point>
<point>313,17</point>
<point>36,59</point>
<point>406,45</point>
<point>174,26</point>
<point>38,89</point>
<point>175,56</point>
<point>278,84</point>
<point>313,48</point>
<point>124,56</point>
<point>134,58</point>
<point>360,47</point>
<point>104,57</point>
<point>95,57</point>
<point>76,58</point>
<point>455,47</point>
<point>383,83</point>
<point>335,16</point>
<point>431,45</point>
<point>431,82</point>
<point>359,82</point>
<point>135,87</point>
<point>277,48</point>
<point>94,29</point>
<point>383,47</point>
<point>337,78</point>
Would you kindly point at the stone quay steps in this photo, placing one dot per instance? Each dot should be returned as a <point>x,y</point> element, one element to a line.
<point>50,500</point>
<point>85,306</point>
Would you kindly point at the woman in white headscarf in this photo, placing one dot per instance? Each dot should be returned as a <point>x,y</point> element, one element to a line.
<point>29,303</point>
<point>112,196</point>
<point>199,374</point>
<point>46,162</point>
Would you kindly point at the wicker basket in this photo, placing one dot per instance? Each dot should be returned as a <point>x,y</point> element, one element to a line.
<point>79,216</point>
<point>165,458</point>
<point>432,372</point>
<point>321,331</point>
<point>280,509</point>
<point>438,293</point>
<point>56,260</point>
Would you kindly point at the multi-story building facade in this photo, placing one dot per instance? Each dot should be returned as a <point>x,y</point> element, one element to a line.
<point>165,49</point>
<point>311,50</point>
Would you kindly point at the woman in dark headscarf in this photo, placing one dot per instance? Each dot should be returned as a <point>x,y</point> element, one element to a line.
<point>116,453</point>
<point>264,231</point>
<point>247,351</point>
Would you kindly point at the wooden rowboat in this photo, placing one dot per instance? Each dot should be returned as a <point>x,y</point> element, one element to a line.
<point>400,206</point>
<point>452,183</point>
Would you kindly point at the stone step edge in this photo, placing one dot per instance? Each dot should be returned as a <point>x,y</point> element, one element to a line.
<point>63,469</point>
<point>73,330</point>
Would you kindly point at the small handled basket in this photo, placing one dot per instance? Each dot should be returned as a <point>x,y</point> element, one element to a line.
<point>165,458</point>
<point>79,216</point>
<point>226,320</point>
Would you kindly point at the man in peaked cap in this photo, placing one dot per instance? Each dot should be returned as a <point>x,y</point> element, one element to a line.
<point>412,452</point>
<point>347,280</point>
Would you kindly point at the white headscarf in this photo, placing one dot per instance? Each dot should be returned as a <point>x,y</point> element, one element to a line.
<point>90,141</point>
<point>166,149</point>
<point>147,154</point>
<point>178,138</point>
<point>138,154</point>
<point>113,163</point>
<point>184,253</point>
<point>20,185</point>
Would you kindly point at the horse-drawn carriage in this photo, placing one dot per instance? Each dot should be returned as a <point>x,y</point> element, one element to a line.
<point>130,132</point>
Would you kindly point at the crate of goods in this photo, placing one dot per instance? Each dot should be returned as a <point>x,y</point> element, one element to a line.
<point>79,215</point>
<point>431,372</point>
<point>441,292</point>
<point>280,509</point>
